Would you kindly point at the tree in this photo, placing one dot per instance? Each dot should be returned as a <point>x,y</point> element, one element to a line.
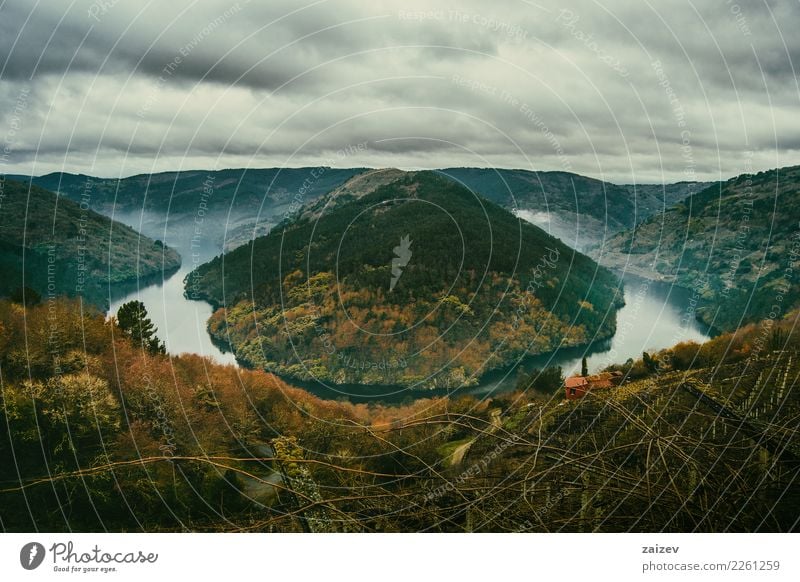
<point>25,296</point>
<point>650,362</point>
<point>134,323</point>
<point>548,380</point>
<point>584,367</point>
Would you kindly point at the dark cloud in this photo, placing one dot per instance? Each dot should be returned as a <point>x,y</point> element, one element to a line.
<point>118,87</point>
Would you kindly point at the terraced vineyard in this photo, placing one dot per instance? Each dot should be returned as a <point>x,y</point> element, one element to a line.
<point>653,456</point>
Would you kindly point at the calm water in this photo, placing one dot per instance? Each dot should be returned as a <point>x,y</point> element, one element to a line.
<point>655,316</point>
<point>181,323</point>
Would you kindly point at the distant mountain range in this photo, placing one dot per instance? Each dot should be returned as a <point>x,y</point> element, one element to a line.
<point>736,244</point>
<point>691,233</point>
<point>199,212</point>
<point>581,211</point>
<point>59,247</point>
<point>404,278</point>
<point>241,204</point>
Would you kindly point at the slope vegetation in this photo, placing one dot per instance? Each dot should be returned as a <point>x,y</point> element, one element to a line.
<point>412,280</point>
<point>734,244</point>
<point>57,247</point>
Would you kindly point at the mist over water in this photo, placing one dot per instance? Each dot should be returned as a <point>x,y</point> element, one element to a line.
<point>181,322</point>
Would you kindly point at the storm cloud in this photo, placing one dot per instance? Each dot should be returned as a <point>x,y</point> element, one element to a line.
<point>624,91</point>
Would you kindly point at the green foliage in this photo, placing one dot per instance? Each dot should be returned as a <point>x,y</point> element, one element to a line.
<point>501,286</point>
<point>135,324</point>
<point>25,296</point>
<point>548,381</point>
<point>734,244</point>
<point>54,246</point>
<point>170,201</point>
<point>580,209</point>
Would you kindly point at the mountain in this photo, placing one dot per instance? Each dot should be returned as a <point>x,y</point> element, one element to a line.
<point>57,247</point>
<point>238,205</point>
<point>403,278</point>
<point>735,244</point>
<point>199,212</point>
<point>579,210</point>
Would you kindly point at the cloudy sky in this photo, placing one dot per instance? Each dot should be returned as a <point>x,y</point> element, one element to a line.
<point>617,89</point>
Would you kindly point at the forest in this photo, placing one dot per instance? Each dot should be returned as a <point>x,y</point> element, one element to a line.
<point>52,246</point>
<point>733,243</point>
<point>101,432</point>
<point>480,290</point>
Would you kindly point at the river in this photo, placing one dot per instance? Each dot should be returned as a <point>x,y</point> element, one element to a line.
<point>655,316</point>
<point>181,323</point>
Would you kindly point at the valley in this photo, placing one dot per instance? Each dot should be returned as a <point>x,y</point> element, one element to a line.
<point>321,291</point>
<point>280,441</point>
<point>50,246</point>
<point>735,244</point>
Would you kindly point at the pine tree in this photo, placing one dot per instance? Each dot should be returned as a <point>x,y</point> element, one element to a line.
<point>134,323</point>
<point>584,367</point>
<point>650,362</point>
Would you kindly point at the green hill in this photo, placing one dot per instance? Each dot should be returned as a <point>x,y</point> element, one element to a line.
<point>56,247</point>
<point>472,288</point>
<point>735,244</point>
<point>198,210</point>
<point>579,210</point>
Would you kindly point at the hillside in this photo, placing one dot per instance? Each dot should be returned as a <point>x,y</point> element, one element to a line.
<point>177,444</point>
<point>579,210</point>
<point>735,244</point>
<point>54,246</point>
<point>413,281</point>
<point>225,206</point>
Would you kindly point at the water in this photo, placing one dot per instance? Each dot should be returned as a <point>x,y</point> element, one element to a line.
<point>181,323</point>
<point>655,316</point>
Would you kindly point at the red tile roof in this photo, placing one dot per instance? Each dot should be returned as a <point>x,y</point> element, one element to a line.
<point>601,384</point>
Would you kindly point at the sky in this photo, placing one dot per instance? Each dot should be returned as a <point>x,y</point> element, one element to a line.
<point>626,91</point>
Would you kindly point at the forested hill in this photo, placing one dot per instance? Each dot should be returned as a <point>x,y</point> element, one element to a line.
<point>579,210</point>
<point>177,191</point>
<point>56,247</point>
<point>736,244</point>
<point>415,281</point>
<point>230,204</point>
<point>240,204</point>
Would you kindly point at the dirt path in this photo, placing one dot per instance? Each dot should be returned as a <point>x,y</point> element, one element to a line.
<point>461,450</point>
